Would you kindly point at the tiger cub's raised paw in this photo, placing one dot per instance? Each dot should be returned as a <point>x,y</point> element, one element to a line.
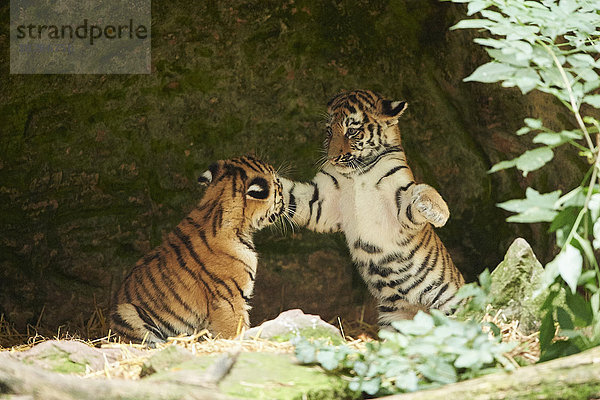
<point>430,204</point>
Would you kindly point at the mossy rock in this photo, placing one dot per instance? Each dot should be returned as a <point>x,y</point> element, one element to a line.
<point>293,324</point>
<point>515,285</point>
<point>310,333</point>
<point>66,357</point>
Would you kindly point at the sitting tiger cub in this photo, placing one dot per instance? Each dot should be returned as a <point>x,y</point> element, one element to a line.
<point>368,191</point>
<point>202,275</point>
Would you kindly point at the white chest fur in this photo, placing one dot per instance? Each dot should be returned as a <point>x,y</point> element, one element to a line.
<point>368,204</point>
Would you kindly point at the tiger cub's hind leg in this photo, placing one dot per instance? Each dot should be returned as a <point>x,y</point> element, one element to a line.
<point>133,323</point>
<point>427,205</point>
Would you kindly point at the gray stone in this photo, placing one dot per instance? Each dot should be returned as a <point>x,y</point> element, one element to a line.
<point>294,323</point>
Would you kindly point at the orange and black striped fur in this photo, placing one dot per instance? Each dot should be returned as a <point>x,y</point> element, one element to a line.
<point>202,275</point>
<point>367,190</point>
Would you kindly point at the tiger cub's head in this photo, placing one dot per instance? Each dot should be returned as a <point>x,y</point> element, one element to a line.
<point>361,125</point>
<point>245,193</point>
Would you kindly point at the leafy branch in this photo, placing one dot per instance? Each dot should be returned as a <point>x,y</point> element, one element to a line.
<point>429,351</point>
<point>552,46</point>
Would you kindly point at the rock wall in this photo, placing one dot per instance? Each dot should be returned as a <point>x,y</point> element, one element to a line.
<point>95,169</point>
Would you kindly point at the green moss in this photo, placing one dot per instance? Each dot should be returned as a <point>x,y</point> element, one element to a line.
<point>57,360</point>
<point>571,392</point>
<point>311,333</point>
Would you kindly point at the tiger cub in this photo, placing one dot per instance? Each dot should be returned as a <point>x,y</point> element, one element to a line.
<point>367,190</point>
<point>202,275</point>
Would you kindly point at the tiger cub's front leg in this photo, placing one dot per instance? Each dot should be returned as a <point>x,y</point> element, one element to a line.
<point>314,205</point>
<point>426,205</point>
<point>229,317</point>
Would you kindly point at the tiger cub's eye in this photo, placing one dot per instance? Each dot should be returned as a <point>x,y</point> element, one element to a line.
<point>351,132</point>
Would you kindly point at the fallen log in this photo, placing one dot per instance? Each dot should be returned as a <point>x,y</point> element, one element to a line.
<point>17,378</point>
<point>572,377</point>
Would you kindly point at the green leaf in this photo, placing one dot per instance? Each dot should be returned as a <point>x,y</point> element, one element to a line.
<point>533,123</point>
<point>485,279</point>
<point>532,216</point>
<point>549,138</point>
<point>468,359</point>
<point>547,330</point>
<point>421,324</point>
<point>371,386</point>
<point>575,198</point>
<point>477,5</point>
<point>565,219</point>
<point>491,72</point>
<point>596,232</point>
<point>513,59</point>
<point>571,334</point>
<point>549,300</point>
<point>469,290</point>
<point>408,382</point>
<point>472,24</point>
<point>570,263</point>
<point>581,60</point>
<point>437,370</point>
<point>502,165</point>
<point>523,130</point>
<point>586,277</point>
<point>360,368</point>
<point>556,138</point>
<point>593,100</point>
<point>535,207</point>
<point>492,15</point>
<point>561,348</point>
<point>306,352</point>
<point>580,308</point>
<point>564,319</point>
<point>526,82</point>
<point>494,328</point>
<point>533,198</point>
<point>586,247</point>
<point>587,74</point>
<point>534,159</point>
<point>594,206</point>
<point>595,303</point>
<point>327,359</point>
<point>548,278</point>
<point>495,43</point>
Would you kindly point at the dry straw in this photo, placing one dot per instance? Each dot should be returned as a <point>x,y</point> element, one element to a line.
<point>133,356</point>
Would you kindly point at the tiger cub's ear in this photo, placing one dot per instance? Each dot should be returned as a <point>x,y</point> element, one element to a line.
<point>391,110</point>
<point>207,177</point>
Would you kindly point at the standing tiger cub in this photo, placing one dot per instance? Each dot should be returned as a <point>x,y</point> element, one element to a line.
<point>202,275</point>
<point>367,190</point>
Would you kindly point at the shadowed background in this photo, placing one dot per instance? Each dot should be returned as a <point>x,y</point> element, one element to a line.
<point>95,169</point>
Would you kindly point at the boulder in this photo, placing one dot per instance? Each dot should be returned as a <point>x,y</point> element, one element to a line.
<point>294,323</point>
<point>514,283</point>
